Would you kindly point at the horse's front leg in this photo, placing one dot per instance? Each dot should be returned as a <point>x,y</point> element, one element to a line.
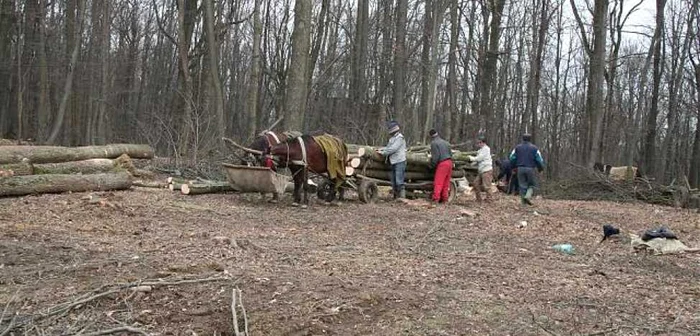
<point>298,183</point>
<point>305,186</point>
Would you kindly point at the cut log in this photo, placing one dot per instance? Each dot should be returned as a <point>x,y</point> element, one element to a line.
<point>175,186</point>
<point>17,169</point>
<point>349,171</point>
<point>53,154</point>
<point>150,184</point>
<point>57,183</point>
<point>208,188</point>
<point>355,162</point>
<point>92,166</point>
<point>178,180</point>
<point>409,175</point>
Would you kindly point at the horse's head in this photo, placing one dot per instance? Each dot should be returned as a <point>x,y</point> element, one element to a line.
<point>262,143</point>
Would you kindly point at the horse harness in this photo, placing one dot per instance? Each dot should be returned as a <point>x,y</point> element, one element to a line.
<point>303,161</point>
<point>274,136</point>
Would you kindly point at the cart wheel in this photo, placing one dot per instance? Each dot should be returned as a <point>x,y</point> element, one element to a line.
<point>453,192</point>
<point>367,191</point>
<point>326,190</point>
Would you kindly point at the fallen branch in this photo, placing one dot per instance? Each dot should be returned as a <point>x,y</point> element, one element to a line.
<point>117,330</point>
<point>237,300</point>
<point>103,291</point>
<point>4,312</point>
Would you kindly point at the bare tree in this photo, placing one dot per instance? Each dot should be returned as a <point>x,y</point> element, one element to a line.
<point>213,57</point>
<point>75,28</point>
<point>648,160</point>
<point>295,99</point>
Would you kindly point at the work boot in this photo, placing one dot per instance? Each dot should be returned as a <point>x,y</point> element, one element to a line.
<point>528,194</point>
<point>402,194</point>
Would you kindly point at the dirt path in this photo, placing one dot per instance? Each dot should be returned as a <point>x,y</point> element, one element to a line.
<point>357,269</point>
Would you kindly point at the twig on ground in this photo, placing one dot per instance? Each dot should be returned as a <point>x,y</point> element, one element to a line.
<point>603,332</point>
<point>10,325</point>
<point>64,308</point>
<point>236,331</point>
<point>245,315</point>
<point>437,227</point>
<point>534,320</point>
<point>117,330</point>
<point>237,300</point>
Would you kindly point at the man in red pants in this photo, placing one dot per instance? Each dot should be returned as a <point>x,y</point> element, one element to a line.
<point>441,161</point>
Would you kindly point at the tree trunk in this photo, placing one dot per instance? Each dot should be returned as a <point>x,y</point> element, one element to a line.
<point>490,68</point>
<point>694,171</point>
<point>44,107</point>
<point>534,82</point>
<point>186,21</point>
<point>7,12</point>
<point>594,97</point>
<point>255,73</point>
<point>214,71</point>
<point>649,162</point>
<point>295,99</point>
<point>359,58</point>
<point>68,88</point>
<point>101,122</point>
<point>434,12</point>
<point>58,183</point>
<point>400,62</point>
<point>50,154</point>
<point>451,109</point>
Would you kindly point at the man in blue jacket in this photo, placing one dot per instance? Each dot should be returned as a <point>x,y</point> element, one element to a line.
<point>526,157</point>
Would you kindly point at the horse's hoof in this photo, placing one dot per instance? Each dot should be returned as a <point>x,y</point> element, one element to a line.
<point>304,206</point>
<point>272,201</point>
<point>295,204</point>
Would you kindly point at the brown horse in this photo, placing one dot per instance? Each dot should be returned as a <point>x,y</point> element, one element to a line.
<point>262,144</point>
<point>302,160</point>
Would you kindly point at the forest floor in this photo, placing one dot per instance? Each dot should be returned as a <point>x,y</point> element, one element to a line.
<point>354,269</point>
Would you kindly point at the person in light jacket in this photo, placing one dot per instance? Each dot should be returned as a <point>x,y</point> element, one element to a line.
<point>395,150</point>
<point>485,166</point>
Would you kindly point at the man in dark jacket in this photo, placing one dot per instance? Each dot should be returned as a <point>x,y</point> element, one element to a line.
<point>506,173</point>
<point>527,157</point>
<point>441,162</point>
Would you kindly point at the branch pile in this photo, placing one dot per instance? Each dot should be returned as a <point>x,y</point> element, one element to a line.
<point>26,170</point>
<point>364,160</point>
<point>590,185</point>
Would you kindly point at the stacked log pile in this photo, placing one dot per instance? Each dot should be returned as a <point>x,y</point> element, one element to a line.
<point>366,162</point>
<point>26,170</point>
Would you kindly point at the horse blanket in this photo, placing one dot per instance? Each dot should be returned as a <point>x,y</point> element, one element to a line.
<point>336,155</point>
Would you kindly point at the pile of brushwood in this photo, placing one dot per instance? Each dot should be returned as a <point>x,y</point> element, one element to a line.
<point>587,184</point>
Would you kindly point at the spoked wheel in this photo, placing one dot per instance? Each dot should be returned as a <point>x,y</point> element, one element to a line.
<point>368,191</point>
<point>326,190</point>
<point>453,192</point>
